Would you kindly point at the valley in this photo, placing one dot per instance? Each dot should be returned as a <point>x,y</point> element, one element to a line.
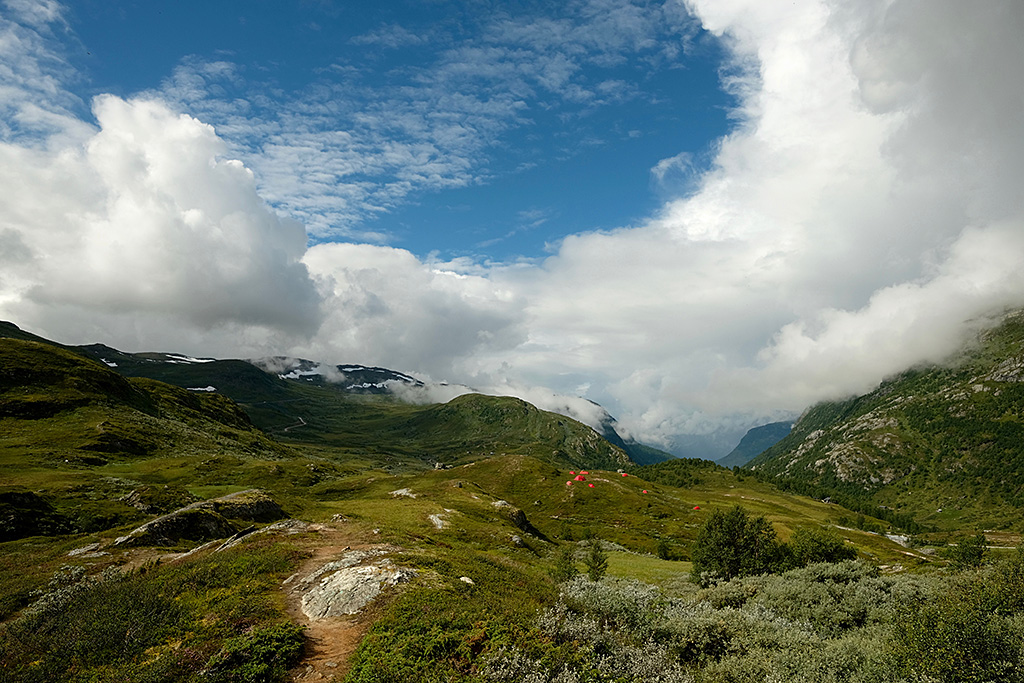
<point>265,487</point>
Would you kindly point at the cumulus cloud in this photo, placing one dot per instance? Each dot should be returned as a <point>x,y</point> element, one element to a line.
<point>386,307</point>
<point>146,216</point>
<point>864,215</point>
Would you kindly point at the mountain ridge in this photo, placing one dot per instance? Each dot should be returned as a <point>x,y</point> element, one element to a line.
<point>940,443</point>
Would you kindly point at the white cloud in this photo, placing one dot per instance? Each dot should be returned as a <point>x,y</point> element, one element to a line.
<point>147,217</point>
<point>864,215</point>
<point>385,307</point>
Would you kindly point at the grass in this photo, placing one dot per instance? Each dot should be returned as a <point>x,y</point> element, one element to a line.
<point>105,437</point>
<point>647,568</point>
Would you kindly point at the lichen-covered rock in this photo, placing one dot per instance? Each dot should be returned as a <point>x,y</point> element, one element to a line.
<point>254,505</point>
<point>347,590</point>
<point>207,519</point>
<point>190,523</point>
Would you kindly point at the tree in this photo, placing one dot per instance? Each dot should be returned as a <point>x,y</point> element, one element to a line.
<point>814,544</point>
<point>732,544</point>
<point>565,564</point>
<point>596,561</point>
<point>969,551</point>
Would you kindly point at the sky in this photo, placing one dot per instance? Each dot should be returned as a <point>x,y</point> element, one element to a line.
<point>703,215</point>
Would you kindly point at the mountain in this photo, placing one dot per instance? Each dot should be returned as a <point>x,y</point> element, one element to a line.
<point>280,392</point>
<point>142,539</point>
<point>353,406</point>
<point>941,444</point>
<point>755,442</point>
<point>351,378</point>
<point>69,422</point>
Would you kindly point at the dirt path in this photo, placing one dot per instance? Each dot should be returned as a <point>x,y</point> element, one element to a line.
<point>330,641</point>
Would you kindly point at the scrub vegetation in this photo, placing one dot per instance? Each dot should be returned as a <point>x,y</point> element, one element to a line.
<point>514,570</point>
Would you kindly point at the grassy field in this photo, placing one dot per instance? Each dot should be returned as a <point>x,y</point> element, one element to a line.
<point>80,446</point>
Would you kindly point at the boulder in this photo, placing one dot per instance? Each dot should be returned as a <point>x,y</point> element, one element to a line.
<point>190,523</point>
<point>206,520</point>
<point>253,505</point>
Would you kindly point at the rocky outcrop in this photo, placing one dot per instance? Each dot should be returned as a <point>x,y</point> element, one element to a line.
<point>348,584</point>
<point>205,520</point>
<point>253,505</point>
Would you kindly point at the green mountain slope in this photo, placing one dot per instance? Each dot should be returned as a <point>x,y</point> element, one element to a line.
<point>67,424</point>
<point>942,444</point>
<point>90,458</point>
<point>755,442</point>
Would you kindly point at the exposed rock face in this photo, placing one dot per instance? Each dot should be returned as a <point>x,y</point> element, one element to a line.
<point>253,505</point>
<point>347,585</point>
<point>191,523</point>
<point>207,519</point>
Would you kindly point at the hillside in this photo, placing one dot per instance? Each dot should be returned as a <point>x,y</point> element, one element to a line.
<point>156,533</point>
<point>940,444</point>
<point>756,441</point>
<point>69,423</point>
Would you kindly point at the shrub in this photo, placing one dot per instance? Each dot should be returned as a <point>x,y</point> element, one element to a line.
<point>969,630</point>
<point>969,551</point>
<point>815,544</point>
<point>565,565</point>
<point>732,544</point>
<point>262,656</point>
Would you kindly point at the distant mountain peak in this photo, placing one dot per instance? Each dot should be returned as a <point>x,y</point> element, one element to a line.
<point>349,377</point>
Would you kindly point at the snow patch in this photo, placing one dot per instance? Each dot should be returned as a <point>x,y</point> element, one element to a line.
<point>175,358</point>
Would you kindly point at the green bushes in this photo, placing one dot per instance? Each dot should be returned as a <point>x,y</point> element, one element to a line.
<point>733,544</point>
<point>160,623</point>
<point>970,629</point>
<point>814,544</point>
<point>624,631</point>
<point>262,656</point>
<point>596,561</point>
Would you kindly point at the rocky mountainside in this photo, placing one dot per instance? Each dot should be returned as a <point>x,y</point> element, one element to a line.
<point>941,444</point>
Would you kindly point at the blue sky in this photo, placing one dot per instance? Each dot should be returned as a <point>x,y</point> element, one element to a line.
<point>704,215</point>
<point>538,119</point>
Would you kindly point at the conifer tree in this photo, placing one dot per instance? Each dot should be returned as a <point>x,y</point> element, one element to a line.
<point>596,561</point>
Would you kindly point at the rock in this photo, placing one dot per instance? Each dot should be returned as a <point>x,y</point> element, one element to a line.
<point>254,505</point>
<point>84,549</point>
<point>346,590</point>
<point>156,500</point>
<point>193,524</point>
<point>518,542</point>
<point>285,527</point>
<point>207,519</point>
<point>466,579</point>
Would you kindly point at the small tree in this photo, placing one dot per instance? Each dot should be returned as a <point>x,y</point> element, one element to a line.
<point>814,544</point>
<point>596,561</point>
<point>970,551</point>
<point>565,564</point>
<point>732,544</point>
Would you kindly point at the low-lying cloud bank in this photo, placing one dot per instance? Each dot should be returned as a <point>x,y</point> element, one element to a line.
<point>865,215</point>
